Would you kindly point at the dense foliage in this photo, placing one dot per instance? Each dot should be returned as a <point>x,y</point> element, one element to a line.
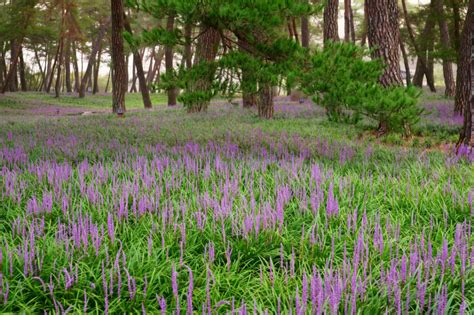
<point>345,82</point>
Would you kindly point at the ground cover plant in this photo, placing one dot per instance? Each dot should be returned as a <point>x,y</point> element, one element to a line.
<point>225,213</point>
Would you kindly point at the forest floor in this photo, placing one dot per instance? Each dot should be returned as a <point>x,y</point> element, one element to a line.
<point>222,211</point>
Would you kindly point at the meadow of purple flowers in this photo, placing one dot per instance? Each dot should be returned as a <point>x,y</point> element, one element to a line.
<point>221,213</point>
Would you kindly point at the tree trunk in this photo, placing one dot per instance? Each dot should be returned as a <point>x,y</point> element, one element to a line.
<point>295,30</point>
<point>23,83</point>
<point>67,66</point>
<point>330,27</point>
<point>53,69</point>
<point>466,76</point>
<point>422,63</point>
<point>265,102</point>
<point>188,54</point>
<point>463,86</point>
<point>133,87</point>
<point>456,23</point>
<point>384,38</point>
<point>57,87</point>
<point>95,89</point>
<point>353,33</point>
<point>42,72</point>
<point>10,79</point>
<point>206,52</point>
<point>119,83</point>
<point>95,48</point>
<point>347,20</point>
<point>137,59</point>
<point>249,97</point>
<point>406,63</point>
<point>108,81</point>
<point>169,56</point>
<point>438,6</point>
<point>305,31</point>
<point>75,66</point>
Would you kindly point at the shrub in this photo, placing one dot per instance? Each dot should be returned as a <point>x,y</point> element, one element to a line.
<point>344,81</point>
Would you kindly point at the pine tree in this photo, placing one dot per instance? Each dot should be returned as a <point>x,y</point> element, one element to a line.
<point>384,37</point>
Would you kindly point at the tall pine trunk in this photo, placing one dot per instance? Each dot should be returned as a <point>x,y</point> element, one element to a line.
<point>23,83</point>
<point>206,52</point>
<point>384,38</point>
<point>119,83</point>
<point>265,101</point>
<point>75,66</point>
<point>95,88</point>
<point>465,94</point>
<point>330,27</point>
<point>137,60</point>
<point>438,6</point>
<point>422,63</point>
<point>406,63</point>
<point>95,48</point>
<point>169,57</point>
<point>463,86</point>
<point>188,54</point>
<point>305,31</point>
<point>67,66</point>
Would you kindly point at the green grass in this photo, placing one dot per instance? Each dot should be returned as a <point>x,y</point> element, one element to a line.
<point>208,173</point>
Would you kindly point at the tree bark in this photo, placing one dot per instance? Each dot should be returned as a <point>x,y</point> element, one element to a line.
<point>463,77</point>
<point>75,66</point>
<point>406,63</point>
<point>438,6</point>
<point>67,66</point>
<point>119,83</point>
<point>384,38</point>
<point>10,79</point>
<point>53,69</point>
<point>95,48</point>
<point>456,23</point>
<point>137,59</point>
<point>95,88</point>
<point>330,27</point>
<point>206,52</point>
<point>188,54</point>
<point>466,76</point>
<point>23,82</point>
<point>265,102</point>
<point>169,56</point>
<point>305,31</point>
<point>422,63</point>
<point>57,87</point>
<point>347,20</point>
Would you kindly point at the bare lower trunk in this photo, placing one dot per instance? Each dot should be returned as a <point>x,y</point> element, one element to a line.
<point>438,6</point>
<point>188,54</point>
<point>206,52</point>
<point>67,66</point>
<point>384,38</point>
<point>23,82</point>
<point>265,102</point>
<point>463,88</point>
<point>95,49</point>
<point>75,66</point>
<point>330,28</point>
<point>119,82</point>
<point>406,63</point>
<point>304,31</point>
<point>57,87</point>
<point>422,62</point>
<point>137,60</point>
<point>10,79</point>
<point>467,76</point>
<point>95,89</point>
<point>169,56</point>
